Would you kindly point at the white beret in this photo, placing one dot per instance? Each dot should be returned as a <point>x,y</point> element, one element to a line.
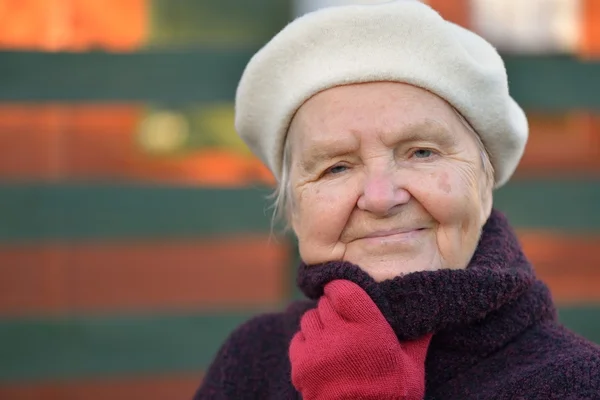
<point>401,41</point>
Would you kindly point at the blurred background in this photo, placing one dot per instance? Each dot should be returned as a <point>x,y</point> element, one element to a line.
<point>134,230</point>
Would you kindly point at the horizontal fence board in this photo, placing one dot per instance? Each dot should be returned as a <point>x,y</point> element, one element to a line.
<point>554,204</point>
<point>220,274</point>
<point>159,387</point>
<point>105,142</point>
<point>86,211</point>
<point>540,82</point>
<point>169,76</point>
<point>118,25</point>
<point>109,142</point>
<point>78,348</point>
<point>113,24</point>
<point>224,23</point>
<point>67,348</point>
<point>582,320</point>
<point>211,274</point>
<point>568,264</point>
<point>155,76</point>
<point>562,144</point>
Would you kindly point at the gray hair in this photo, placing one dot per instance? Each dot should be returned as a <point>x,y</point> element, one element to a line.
<point>283,202</point>
<point>282,195</point>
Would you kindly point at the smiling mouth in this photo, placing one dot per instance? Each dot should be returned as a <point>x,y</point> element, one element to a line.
<point>394,232</point>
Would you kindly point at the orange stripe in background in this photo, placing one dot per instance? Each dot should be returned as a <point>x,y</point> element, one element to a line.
<point>126,388</point>
<point>73,25</point>
<point>99,142</point>
<point>53,142</point>
<point>457,11</point>
<point>212,274</point>
<point>567,264</point>
<point>562,144</point>
<point>590,27</point>
<point>219,274</point>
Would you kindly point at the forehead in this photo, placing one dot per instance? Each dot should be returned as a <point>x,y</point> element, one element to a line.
<point>371,109</point>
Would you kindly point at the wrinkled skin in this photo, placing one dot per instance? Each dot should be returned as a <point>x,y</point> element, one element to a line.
<point>386,176</point>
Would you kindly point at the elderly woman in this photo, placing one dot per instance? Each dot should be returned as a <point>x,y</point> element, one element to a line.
<point>388,128</point>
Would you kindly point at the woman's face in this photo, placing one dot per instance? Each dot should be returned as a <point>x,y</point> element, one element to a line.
<point>386,176</point>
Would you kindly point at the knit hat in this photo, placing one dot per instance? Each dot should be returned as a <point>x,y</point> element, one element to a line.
<point>401,41</point>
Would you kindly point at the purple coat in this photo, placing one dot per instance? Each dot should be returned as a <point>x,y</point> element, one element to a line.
<point>494,325</point>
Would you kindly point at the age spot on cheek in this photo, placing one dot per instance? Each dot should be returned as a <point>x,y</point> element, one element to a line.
<point>443,182</point>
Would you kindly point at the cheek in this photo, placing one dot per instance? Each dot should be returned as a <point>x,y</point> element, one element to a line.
<point>323,211</point>
<point>449,195</point>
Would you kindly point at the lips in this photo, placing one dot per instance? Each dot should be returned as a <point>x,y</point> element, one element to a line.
<point>391,232</point>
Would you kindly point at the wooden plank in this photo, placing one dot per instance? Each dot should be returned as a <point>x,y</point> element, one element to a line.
<point>73,25</point>
<point>590,30</point>
<point>569,205</point>
<point>153,387</point>
<point>43,349</point>
<point>117,25</point>
<point>561,145</point>
<point>224,23</point>
<point>103,142</point>
<point>183,76</point>
<point>221,274</point>
<point>568,264</point>
<point>45,142</point>
<point>87,211</point>
<point>457,11</point>
<point>584,320</point>
<point>553,82</point>
<point>111,142</point>
<point>136,276</point>
<point>155,76</point>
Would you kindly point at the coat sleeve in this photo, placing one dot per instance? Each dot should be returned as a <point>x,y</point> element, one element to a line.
<point>575,378</point>
<point>238,370</point>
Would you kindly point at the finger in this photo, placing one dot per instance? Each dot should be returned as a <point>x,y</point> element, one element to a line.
<point>296,345</point>
<point>310,323</point>
<point>352,303</point>
<point>327,314</point>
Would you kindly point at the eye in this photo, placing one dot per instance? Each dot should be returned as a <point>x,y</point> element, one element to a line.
<point>423,153</point>
<point>336,169</point>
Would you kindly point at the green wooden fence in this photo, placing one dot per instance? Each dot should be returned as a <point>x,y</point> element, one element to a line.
<point>39,348</point>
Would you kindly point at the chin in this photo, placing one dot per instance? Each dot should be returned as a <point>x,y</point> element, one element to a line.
<point>382,272</point>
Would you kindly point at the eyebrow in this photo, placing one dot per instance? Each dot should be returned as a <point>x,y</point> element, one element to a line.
<point>321,152</point>
<point>429,130</point>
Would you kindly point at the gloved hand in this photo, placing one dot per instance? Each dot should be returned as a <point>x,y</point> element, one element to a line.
<point>346,349</point>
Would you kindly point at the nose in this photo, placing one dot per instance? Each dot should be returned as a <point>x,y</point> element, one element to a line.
<point>381,195</point>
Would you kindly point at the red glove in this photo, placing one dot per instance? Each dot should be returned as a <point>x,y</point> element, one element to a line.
<point>346,349</point>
